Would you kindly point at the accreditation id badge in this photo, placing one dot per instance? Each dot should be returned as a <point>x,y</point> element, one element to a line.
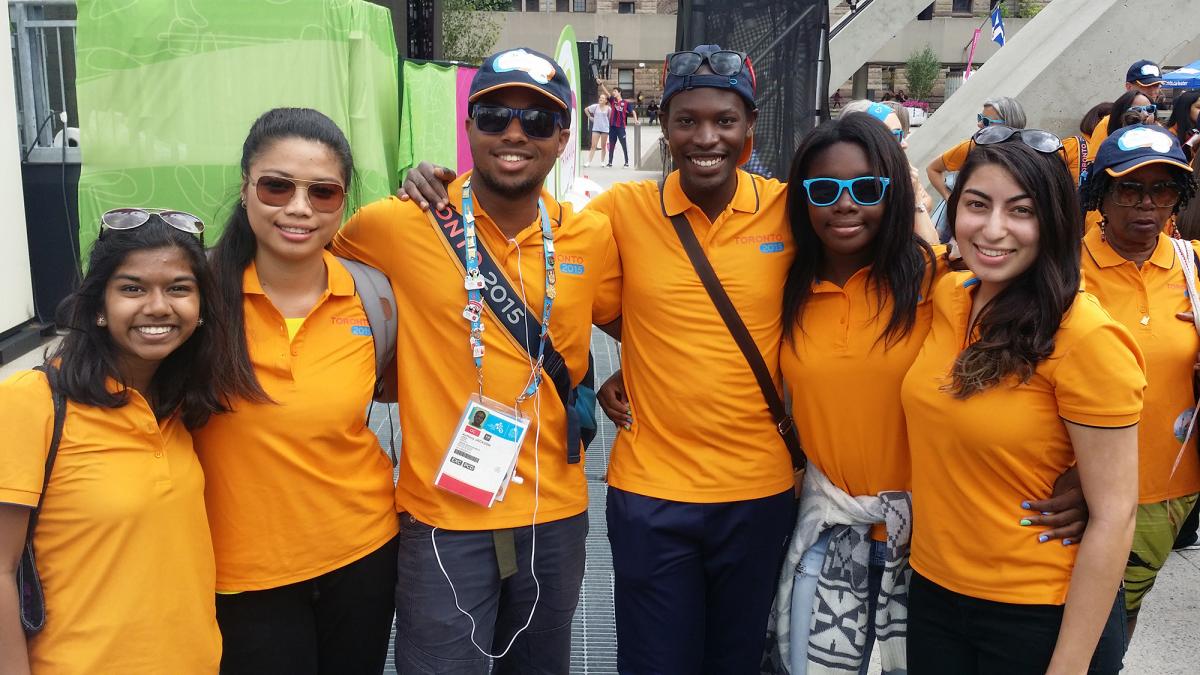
<point>483,454</point>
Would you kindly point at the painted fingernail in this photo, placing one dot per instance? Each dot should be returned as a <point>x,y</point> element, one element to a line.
<point>1024,505</point>
<point>1025,522</point>
<point>1043,538</point>
<point>1066,542</point>
<point>628,427</point>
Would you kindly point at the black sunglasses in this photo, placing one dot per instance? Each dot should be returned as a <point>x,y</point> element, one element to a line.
<point>724,63</point>
<point>535,122</point>
<point>1038,139</point>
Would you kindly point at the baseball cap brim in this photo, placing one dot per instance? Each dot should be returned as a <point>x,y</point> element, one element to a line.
<point>1118,170</point>
<point>1150,81</point>
<point>483,92</point>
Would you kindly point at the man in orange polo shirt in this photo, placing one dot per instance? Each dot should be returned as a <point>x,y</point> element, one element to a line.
<point>477,581</point>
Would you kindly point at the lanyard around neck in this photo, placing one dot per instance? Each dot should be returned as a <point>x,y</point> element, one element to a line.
<point>475,289</point>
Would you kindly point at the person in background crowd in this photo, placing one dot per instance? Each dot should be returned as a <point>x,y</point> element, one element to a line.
<point>1143,76</point>
<point>299,492</point>
<point>619,111</point>
<point>1087,125</point>
<point>1000,110</point>
<point>1185,121</point>
<point>652,111</point>
<point>122,540</point>
<point>1132,108</point>
<point>1046,380</point>
<point>598,114</point>
<point>1140,178</point>
<point>493,588</point>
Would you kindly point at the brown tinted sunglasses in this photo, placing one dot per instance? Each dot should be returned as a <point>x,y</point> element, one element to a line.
<point>323,196</point>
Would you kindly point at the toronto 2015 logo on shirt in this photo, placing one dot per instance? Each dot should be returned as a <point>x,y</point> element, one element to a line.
<point>357,326</point>
<point>767,243</point>
<point>571,264</point>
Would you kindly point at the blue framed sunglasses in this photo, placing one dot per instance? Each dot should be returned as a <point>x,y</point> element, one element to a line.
<point>864,190</point>
<point>899,134</point>
<point>987,121</point>
<point>1144,109</point>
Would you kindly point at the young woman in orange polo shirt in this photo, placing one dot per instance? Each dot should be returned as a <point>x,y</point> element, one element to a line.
<point>299,494</point>
<point>1021,375</point>
<point>121,537</point>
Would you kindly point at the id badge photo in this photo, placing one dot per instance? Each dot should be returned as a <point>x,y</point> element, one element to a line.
<point>483,453</point>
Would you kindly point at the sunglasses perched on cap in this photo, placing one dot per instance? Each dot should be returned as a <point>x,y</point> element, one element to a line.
<point>323,196</point>
<point>133,218</point>
<point>987,121</point>
<point>724,63</point>
<point>535,122</point>
<point>864,190</point>
<point>1042,141</point>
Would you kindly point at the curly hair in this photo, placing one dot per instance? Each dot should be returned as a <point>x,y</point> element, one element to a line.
<point>1099,183</point>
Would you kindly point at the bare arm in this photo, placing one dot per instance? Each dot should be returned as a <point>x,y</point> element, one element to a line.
<point>1107,460</point>
<point>612,329</point>
<point>13,522</point>
<point>603,88</point>
<point>936,171</point>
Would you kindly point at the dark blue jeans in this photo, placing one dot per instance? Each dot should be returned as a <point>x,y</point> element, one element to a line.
<point>694,583</point>
<point>954,634</point>
<point>617,135</point>
<point>434,637</point>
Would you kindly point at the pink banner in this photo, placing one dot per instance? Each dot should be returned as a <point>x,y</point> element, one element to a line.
<point>971,55</point>
<point>464,88</point>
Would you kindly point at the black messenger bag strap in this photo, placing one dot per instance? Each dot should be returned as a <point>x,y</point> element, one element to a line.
<point>31,599</point>
<point>741,335</point>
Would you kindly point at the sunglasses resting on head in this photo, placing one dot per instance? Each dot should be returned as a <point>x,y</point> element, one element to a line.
<point>130,218</point>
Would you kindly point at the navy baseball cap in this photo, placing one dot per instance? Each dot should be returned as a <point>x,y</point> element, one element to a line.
<point>522,67</point>
<point>1133,147</point>
<point>1145,73</point>
<point>742,82</point>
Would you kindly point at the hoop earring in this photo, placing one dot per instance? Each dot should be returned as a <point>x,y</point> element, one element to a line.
<point>1175,231</point>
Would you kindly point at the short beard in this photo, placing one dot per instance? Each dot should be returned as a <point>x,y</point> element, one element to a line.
<point>527,188</point>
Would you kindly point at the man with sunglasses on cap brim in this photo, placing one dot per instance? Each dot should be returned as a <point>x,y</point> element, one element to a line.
<point>480,585</point>
<point>1145,76</point>
<point>700,503</point>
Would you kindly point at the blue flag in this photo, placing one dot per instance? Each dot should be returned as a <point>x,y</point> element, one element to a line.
<point>997,26</point>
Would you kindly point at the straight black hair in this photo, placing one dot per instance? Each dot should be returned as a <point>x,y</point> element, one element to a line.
<point>900,258</point>
<point>1092,117</point>
<point>237,246</point>
<point>189,380</point>
<point>1017,328</point>
<point>1181,115</point>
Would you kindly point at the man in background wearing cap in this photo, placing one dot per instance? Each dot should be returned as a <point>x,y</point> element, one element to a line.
<point>477,582</point>
<point>700,499</point>
<point>1143,75</point>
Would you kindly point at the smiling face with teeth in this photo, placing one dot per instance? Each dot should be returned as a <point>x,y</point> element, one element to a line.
<point>510,164</point>
<point>997,227</point>
<point>294,231</point>
<point>151,307</point>
<point>707,128</point>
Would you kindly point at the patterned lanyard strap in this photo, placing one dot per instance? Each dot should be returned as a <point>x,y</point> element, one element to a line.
<point>474,283</point>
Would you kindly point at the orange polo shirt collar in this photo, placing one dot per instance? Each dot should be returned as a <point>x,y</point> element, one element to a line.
<point>675,201</point>
<point>482,219</point>
<point>1105,256</point>
<point>340,281</point>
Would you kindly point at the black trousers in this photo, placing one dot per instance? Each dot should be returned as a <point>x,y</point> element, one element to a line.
<point>617,135</point>
<point>339,622</point>
<point>954,634</point>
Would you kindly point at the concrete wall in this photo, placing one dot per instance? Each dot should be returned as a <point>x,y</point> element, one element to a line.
<point>16,300</point>
<point>865,33</point>
<point>635,37</point>
<point>1071,56</point>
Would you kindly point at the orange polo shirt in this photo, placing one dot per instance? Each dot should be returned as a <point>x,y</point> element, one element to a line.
<point>701,429</point>
<point>122,542</point>
<point>299,487</point>
<point>1098,135</point>
<point>845,383</point>
<point>1145,301</point>
<point>955,157</point>
<point>974,461</point>
<point>437,371</point>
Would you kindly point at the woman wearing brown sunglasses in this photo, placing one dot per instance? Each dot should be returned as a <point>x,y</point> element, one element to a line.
<point>299,493</point>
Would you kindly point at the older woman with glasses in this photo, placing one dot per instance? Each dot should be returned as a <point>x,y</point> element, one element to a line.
<point>1001,110</point>
<point>1139,180</point>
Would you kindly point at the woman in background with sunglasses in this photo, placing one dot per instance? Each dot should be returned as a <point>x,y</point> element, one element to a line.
<point>1021,376</point>
<point>855,312</point>
<point>1140,179</point>
<point>300,495</point>
<point>117,513</point>
<point>1000,110</point>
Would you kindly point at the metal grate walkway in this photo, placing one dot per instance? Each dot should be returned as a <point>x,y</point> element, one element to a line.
<point>594,633</point>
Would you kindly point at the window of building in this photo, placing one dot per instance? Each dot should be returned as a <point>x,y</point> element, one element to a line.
<point>530,6</point>
<point>961,7</point>
<point>624,8</point>
<point>581,6</point>
<point>625,81</point>
<point>927,13</point>
<point>562,6</point>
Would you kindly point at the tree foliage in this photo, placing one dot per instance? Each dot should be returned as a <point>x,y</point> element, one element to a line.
<point>467,34</point>
<point>922,69</point>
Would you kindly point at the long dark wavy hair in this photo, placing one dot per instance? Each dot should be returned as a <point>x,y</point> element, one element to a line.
<point>899,256</point>
<point>1181,115</point>
<point>187,380</point>
<point>237,246</point>
<point>1120,107</point>
<point>1017,328</point>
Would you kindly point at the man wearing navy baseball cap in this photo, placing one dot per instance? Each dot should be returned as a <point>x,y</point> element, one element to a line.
<point>1145,76</point>
<point>499,288</point>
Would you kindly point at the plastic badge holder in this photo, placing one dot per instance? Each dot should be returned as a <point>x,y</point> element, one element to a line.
<point>482,456</point>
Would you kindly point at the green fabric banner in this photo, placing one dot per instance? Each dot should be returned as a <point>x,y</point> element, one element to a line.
<point>168,90</point>
<point>428,129</point>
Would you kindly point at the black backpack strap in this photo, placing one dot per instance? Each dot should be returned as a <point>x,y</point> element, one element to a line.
<point>509,310</point>
<point>31,598</point>
<point>745,342</point>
